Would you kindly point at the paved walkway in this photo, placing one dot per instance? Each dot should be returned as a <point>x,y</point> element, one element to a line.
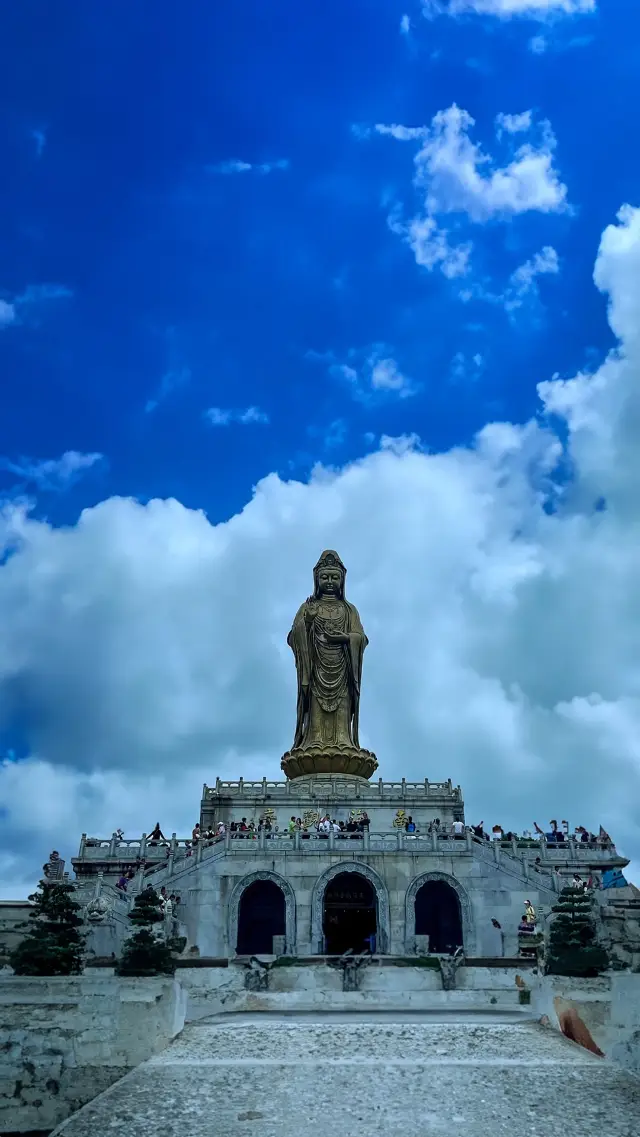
<point>382,1075</point>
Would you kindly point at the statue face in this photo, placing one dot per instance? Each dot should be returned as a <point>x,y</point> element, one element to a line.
<point>330,581</point>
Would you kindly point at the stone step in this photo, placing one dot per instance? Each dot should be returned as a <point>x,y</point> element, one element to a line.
<point>390,1074</point>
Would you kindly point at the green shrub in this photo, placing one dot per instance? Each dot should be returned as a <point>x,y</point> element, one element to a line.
<point>53,945</point>
<point>572,947</point>
<point>146,953</point>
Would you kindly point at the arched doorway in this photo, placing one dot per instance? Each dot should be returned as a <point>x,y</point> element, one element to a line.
<point>261,916</point>
<point>438,916</point>
<point>350,917</point>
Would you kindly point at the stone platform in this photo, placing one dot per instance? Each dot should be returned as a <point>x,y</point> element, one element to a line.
<point>271,1076</point>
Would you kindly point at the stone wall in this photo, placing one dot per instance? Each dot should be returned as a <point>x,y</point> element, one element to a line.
<point>602,1014</point>
<point>486,890</point>
<point>64,1040</point>
<point>317,985</point>
<point>12,914</point>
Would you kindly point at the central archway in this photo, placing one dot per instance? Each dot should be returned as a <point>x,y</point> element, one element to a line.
<point>350,919</point>
<point>324,881</point>
<point>261,916</point>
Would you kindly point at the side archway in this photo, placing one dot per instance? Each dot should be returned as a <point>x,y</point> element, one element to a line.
<point>382,902</point>
<point>290,908</point>
<point>466,914</point>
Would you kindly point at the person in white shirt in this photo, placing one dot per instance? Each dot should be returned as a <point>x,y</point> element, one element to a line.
<point>458,829</point>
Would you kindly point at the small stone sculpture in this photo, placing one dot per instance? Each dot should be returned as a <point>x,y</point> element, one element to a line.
<point>97,910</point>
<point>449,965</point>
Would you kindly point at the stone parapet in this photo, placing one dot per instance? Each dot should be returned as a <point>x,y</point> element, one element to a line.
<point>65,1040</point>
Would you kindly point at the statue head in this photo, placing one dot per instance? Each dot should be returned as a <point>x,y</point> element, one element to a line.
<point>329,576</point>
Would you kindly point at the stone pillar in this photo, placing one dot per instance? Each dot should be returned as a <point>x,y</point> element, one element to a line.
<point>279,945</point>
<point>422,945</point>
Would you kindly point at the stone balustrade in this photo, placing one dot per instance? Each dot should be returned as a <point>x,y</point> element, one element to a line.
<point>569,851</point>
<point>337,785</point>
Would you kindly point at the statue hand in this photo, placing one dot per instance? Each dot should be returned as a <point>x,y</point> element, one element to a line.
<point>336,638</point>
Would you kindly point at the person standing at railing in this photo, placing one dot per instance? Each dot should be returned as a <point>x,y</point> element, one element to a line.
<point>156,835</point>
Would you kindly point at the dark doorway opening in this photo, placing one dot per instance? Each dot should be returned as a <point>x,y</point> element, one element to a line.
<point>350,914</point>
<point>438,916</point>
<point>261,916</point>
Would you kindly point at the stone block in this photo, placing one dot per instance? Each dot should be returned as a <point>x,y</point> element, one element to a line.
<point>422,945</point>
<point>279,945</point>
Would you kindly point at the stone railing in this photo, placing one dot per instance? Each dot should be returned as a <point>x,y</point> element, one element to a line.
<point>335,786</point>
<point>129,850</point>
<point>141,849</point>
<point>514,858</point>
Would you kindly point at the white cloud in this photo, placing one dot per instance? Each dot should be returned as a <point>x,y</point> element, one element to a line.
<point>514,123</point>
<point>7,313</point>
<point>387,376</point>
<point>538,45</point>
<point>39,138</point>
<point>522,286</point>
<point>225,416</point>
<point>523,281</point>
<point>405,25</point>
<point>145,640</point>
<point>465,369</point>
<point>42,294</point>
<point>508,9</point>
<point>51,474</point>
<point>456,178</point>
<point>238,167</point>
<point>369,372</point>
<point>17,310</point>
<point>172,380</point>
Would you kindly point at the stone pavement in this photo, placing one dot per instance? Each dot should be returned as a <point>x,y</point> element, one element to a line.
<point>364,1075</point>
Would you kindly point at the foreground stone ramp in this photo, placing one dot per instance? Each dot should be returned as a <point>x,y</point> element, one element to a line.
<point>360,1075</point>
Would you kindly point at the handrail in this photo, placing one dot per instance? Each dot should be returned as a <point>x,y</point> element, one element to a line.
<point>178,847</point>
<point>380,789</point>
<point>316,843</point>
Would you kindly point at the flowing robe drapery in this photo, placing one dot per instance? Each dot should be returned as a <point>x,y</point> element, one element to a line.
<point>329,674</point>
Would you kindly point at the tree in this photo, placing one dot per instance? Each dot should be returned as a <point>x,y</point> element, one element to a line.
<point>572,946</point>
<point>53,945</point>
<point>145,952</point>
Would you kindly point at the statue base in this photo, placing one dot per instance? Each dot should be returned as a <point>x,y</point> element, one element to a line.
<point>301,761</point>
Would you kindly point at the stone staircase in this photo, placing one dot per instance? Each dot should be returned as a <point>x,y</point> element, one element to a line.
<point>363,1075</point>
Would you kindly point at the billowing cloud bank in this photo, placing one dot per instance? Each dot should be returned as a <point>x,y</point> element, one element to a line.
<point>144,649</point>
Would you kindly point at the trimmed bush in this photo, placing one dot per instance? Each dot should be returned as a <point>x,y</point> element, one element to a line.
<point>54,944</point>
<point>146,953</point>
<point>572,947</point>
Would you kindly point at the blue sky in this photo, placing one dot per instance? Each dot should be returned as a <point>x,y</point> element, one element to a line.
<point>193,287</point>
<point>325,274</point>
